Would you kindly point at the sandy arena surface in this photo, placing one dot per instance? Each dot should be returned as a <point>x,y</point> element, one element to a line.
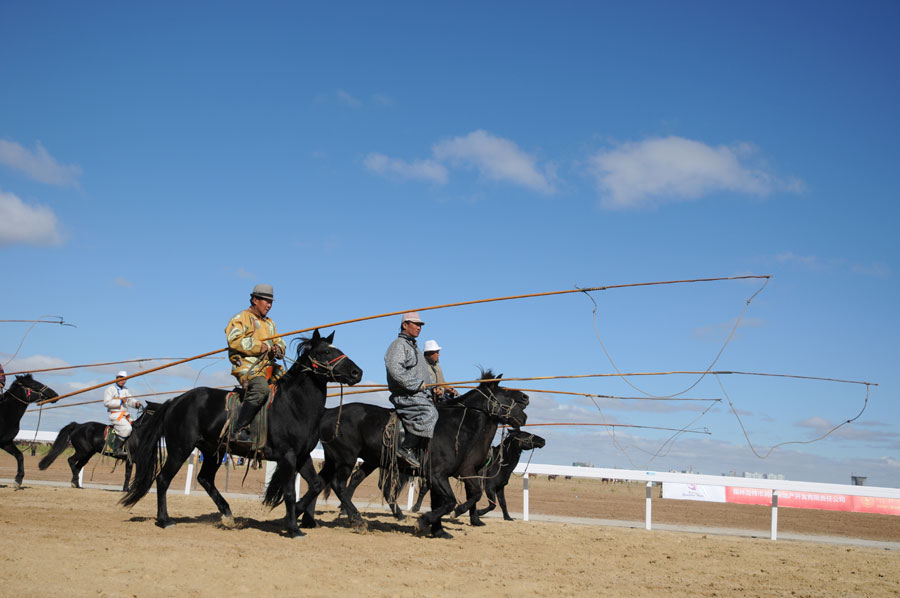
<point>58,540</point>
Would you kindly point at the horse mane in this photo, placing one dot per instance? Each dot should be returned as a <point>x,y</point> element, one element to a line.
<point>304,345</point>
<point>488,374</point>
<point>19,377</point>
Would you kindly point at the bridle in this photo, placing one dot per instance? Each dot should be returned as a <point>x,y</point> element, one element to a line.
<point>26,399</point>
<point>324,367</point>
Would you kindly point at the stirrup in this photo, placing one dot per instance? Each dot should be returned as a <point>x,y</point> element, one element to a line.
<point>407,455</point>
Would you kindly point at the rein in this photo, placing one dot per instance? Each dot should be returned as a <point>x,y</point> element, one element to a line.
<point>327,367</point>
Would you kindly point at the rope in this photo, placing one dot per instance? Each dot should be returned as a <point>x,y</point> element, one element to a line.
<point>780,444</point>
<point>711,365</point>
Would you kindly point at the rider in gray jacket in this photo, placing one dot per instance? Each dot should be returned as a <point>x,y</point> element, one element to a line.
<point>408,377</point>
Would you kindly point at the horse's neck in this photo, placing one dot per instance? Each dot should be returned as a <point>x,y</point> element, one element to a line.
<point>11,411</point>
<point>307,386</point>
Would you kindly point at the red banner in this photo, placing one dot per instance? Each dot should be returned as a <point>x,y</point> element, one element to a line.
<point>814,500</point>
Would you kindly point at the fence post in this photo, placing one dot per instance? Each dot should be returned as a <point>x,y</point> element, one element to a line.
<point>81,477</point>
<point>525,496</point>
<point>190,473</point>
<point>774,535</point>
<point>412,488</point>
<point>647,510</point>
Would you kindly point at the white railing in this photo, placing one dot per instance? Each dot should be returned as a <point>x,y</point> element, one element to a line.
<point>651,477</point>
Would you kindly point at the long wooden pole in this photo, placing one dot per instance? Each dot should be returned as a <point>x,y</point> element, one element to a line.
<point>432,307</point>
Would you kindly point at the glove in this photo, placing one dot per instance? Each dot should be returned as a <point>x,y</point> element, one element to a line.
<point>278,351</point>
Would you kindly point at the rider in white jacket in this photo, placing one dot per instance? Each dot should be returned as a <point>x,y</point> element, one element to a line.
<point>116,398</point>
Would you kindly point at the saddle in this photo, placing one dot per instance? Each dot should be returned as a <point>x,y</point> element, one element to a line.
<point>259,427</point>
<point>109,443</point>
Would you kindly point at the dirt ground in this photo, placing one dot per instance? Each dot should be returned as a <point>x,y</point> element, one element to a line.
<point>82,542</point>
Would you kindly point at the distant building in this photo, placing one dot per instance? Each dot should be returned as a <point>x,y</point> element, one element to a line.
<point>582,464</point>
<point>858,480</point>
<point>762,476</point>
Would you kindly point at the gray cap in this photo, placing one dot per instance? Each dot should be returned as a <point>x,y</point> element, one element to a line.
<point>263,291</point>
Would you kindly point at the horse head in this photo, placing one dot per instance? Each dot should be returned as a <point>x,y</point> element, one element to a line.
<point>319,356</point>
<point>28,390</point>
<point>526,440</point>
<point>503,404</point>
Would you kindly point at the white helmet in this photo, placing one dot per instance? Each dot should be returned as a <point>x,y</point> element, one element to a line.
<point>431,346</point>
<point>122,374</point>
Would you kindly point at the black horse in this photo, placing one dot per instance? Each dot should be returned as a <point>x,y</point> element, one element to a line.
<point>495,474</point>
<point>90,438</point>
<point>196,419</point>
<point>24,391</point>
<point>462,439</point>
<point>504,458</point>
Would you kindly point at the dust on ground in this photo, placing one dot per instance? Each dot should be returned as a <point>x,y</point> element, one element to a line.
<point>82,542</point>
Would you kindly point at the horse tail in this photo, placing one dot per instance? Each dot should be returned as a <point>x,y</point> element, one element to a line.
<point>146,457</point>
<point>59,445</point>
<point>275,490</point>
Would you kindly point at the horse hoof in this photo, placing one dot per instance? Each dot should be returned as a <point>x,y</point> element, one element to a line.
<point>165,524</point>
<point>477,523</point>
<point>309,523</point>
<point>421,528</point>
<point>295,533</point>
<point>227,521</point>
<point>401,517</point>
<point>360,526</point>
<point>442,535</point>
<point>18,486</point>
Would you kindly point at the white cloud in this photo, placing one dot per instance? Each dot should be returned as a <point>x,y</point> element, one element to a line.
<point>425,170</point>
<point>669,169</point>
<point>347,100</point>
<point>23,224</point>
<point>877,269</point>
<point>495,158</point>
<point>246,274</point>
<point>123,282</point>
<point>809,262</point>
<point>38,164</point>
<point>382,99</point>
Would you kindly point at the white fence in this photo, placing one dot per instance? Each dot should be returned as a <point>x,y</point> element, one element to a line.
<point>650,477</point>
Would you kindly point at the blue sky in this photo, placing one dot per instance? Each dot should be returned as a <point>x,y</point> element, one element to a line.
<point>158,161</point>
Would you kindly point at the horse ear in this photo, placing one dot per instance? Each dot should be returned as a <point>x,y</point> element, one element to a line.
<point>316,336</point>
<point>330,337</point>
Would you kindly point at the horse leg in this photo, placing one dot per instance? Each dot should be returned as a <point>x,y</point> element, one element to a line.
<point>10,447</point>
<point>395,508</point>
<point>442,502</point>
<point>314,486</point>
<point>128,466</point>
<point>288,465</point>
<point>492,501</point>
<point>206,477</point>
<point>501,498</point>
<point>76,463</point>
<point>473,494</point>
<point>176,457</point>
<point>344,491</point>
<point>423,490</point>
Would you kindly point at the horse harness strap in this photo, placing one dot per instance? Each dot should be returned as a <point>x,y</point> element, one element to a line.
<point>28,392</point>
<point>328,366</point>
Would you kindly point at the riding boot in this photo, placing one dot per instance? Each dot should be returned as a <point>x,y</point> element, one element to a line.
<point>118,448</point>
<point>407,450</point>
<point>244,419</point>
